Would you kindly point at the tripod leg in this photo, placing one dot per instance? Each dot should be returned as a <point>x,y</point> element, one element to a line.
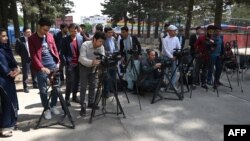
<point>64,107</point>
<point>124,89</point>
<point>96,100</point>
<point>47,104</point>
<point>230,86</point>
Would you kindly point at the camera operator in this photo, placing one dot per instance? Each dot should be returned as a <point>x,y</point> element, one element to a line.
<point>110,46</point>
<point>88,63</point>
<point>149,76</point>
<point>216,58</point>
<point>205,45</point>
<point>129,45</point>
<point>170,43</point>
<point>70,52</point>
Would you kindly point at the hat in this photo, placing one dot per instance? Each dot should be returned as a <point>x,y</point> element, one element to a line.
<point>172,27</point>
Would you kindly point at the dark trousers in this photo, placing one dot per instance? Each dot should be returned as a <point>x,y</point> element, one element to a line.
<point>215,62</point>
<point>72,80</point>
<point>111,76</point>
<point>87,79</point>
<point>26,69</point>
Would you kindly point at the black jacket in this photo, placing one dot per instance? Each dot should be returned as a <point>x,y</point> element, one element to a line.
<point>21,49</point>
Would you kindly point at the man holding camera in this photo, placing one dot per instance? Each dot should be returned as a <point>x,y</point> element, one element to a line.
<point>205,45</point>
<point>215,58</point>
<point>170,44</point>
<point>44,59</point>
<point>149,76</point>
<point>88,64</point>
<point>130,47</point>
<point>110,46</point>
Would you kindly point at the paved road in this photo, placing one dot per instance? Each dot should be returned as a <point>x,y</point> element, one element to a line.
<point>200,118</point>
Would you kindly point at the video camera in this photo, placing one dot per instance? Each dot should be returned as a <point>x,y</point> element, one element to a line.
<point>210,44</point>
<point>178,53</point>
<point>165,63</point>
<point>133,52</point>
<point>109,60</point>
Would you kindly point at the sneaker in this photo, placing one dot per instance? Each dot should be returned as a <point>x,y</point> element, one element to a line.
<point>54,110</point>
<point>83,110</point>
<point>47,114</point>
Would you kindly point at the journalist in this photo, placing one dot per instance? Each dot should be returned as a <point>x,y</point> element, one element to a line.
<point>149,76</point>
<point>88,63</point>
<point>170,44</point>
<point>70,52</point>
<point>110,46</point>
<point>204,45</point>
<point>130,49</point>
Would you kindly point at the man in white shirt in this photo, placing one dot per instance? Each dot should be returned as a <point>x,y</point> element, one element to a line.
<point>170,43</point>
<point>88,63</point>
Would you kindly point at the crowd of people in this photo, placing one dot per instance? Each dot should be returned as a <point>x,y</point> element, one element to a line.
<point>73,51</point>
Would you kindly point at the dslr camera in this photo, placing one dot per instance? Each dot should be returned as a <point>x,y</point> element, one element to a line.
<point>108,61</point>
<point>178,53</point>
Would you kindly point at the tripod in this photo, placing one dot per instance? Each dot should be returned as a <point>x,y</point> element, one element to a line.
<point>168,64</point>
<point>134,71</point>
<point>54,78</point>
<point>104,75</point>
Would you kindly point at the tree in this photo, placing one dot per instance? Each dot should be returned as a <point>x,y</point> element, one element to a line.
<point>116,9</point>
<point>4,4</point>
<point>15,18</point>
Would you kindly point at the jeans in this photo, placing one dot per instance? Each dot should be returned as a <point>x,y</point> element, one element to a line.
<point>42,85</point>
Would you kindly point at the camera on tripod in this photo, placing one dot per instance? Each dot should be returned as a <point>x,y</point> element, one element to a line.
<point>54,78</point>
<point>133,52</point>
<point>109,60</point>
<point>165,63</point>
<point>210,44</point>
<point>178,53</point>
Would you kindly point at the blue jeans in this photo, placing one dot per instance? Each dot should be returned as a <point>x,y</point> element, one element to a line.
<point>42,85</point>
<point>109,81</point>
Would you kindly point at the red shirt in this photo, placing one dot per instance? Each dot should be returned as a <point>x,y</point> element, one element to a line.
<point>74,52</point>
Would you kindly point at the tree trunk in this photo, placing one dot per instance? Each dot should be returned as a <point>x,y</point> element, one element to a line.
<point>157,24</point>
<point>25,18</point>
<point>218,12</point>
<point>188,23</point>
<point>15,18</point>
<point>148,26</point>
<point>4,13</point>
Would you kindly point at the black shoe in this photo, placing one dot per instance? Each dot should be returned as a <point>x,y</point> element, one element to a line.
<point>209,83</point>
<point>93,106</point>
<point>35,86</point>
<point>76,100</point>
<point>83,110</point>
<point>26,90</point>
<point>204,86</point>
<point>67,103</point>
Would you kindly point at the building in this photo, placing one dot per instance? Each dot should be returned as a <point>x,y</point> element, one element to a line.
<point>96,19</point>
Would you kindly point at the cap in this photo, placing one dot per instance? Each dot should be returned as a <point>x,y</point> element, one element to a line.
<point>172,27</point>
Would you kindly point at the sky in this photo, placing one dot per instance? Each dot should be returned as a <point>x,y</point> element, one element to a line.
<point>86,8</point>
